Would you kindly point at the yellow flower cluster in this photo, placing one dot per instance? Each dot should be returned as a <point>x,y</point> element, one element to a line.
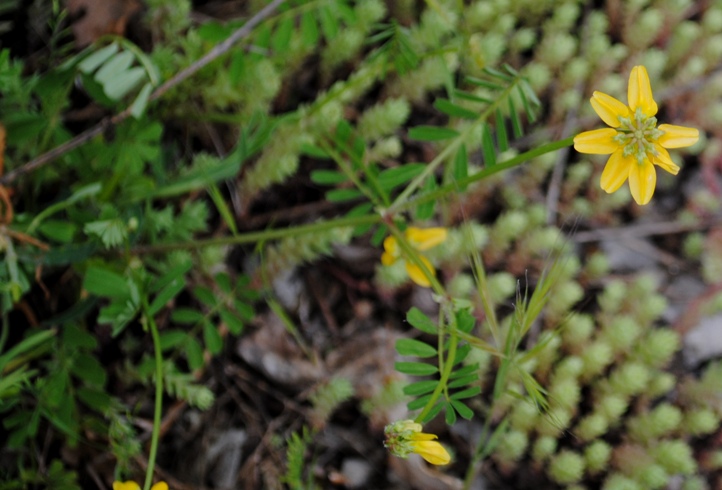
<point>633,139</point>
<point>421,240</point>
<point>405,437</point>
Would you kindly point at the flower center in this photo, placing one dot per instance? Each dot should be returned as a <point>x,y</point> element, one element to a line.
<point>638,135</point>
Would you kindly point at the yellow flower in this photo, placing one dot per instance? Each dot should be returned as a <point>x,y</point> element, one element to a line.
<point>405,437</point>
<point>420,239</point>
<point>634,141</point>
<point>131,485</point>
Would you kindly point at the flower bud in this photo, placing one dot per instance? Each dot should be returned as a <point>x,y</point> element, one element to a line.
<point>675,457</point>
<point>701,421</point>
<point>629,379</point>
<point>597,456</point>
<point>543,448</point>
<point>591,427</point>
<point>658,347</point>
<point>512,446</point>
<point>566,467</point>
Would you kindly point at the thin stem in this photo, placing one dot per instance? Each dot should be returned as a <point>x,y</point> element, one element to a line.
<point>484,173</point>
<point>158,395</point>
<point>259,236</point>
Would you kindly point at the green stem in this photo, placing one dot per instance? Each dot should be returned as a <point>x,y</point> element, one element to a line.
<point>158,396</point>
<point>259,236</point>
<point>482,174</point>
<point>448,364</point>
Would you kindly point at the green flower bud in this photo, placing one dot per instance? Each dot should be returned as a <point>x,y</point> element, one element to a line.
<point>617,481</point>
<point>621,333</point>
<point>370,11</point>
<point>566,467</point>
<point>524,416</point>
<point>565,392</point>
<point>712,21</point>
<point>693,245</point>
<point>385,148</point>
<point>651,309</point>
<point>653,476</point>
<point>629,379</point>
<point>661,384</point>
<point>659,422</point>
<point>684,37</point>
<point>569,367</point>
<point>695,482</point>
<point>539,75</point>
<point>501,286</point>
<point>577,70</point>
<point>675,457</point>
<point>597,266</point>
<point>596,358</point>
<point>614,294</point>
<point>597,456</point>
<point>565,16</point>
<point>715,461</point>
<point>650,22</point>
<point>612,407</point>
<point>701,421</point>
<point>523,39</point>
<point>658,347</point>
<point>591,427</point>
<point>512,446</point>
<point>565,295</point>
<point>557,48</point>
<point>509,226</point>
<point>543,448</point>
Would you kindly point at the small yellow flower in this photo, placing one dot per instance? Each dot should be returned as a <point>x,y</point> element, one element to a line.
<point>405,437</point>
<point>131,485</point>
<point>421,240</point>
<point>633,139</point>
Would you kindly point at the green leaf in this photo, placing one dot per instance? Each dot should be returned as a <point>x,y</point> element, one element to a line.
<point>465,321</point>
<point>425,211</point>
<point>26,345</point>
<point>106,283</point>
<point>89,369</point>
<point>460,168</point>
<point>432,133</point>
<point>60,231</point>
<point>166,294</point>
<point>487,146</point>
<point>461,353</point>
<point>212,338</point>
<point>463,409</point>
<point>114,67</point>
<point>234,324</point>
<point>172,338</point>
<point>516,125</point>
<point>418,403</point>
<point>124,82</point>
<point>309,30</point>
<point>205,296</point>
<point>464,371</point>
<point>96,399</point>
<point>450,414</point>
<point>413,347</point>
<point>416,368</point>
<point>194,354</point>
<point>463,381</point>
<point>137,108</point>
<point>420,387</point>
<point>282,35</point>
<point>472,97</point>
<point>186,316</point>
<point>74,337</point>
<point>453,110</point>
<point>340,195</point>
<point>419,320</point>
<point>327,177</point>
<point>394,177</point>
<point>501,138</point>
<point>94,60</point>
<point>329,24</point>
<point>467,393</point>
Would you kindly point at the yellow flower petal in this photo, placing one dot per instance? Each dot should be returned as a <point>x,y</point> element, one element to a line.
<point>597,142</point>
<point>391,250</point>
<point>128,485</point>
<point>161,485</point>
<point>642,181</point>
<point>425,238</point>
<point>639,92</point>
<point>432,451</point>
<point>609,108</point>
<point>677,136</point>
<point>663,160</point>
<point>417,275</point>
<point>616,171</point>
